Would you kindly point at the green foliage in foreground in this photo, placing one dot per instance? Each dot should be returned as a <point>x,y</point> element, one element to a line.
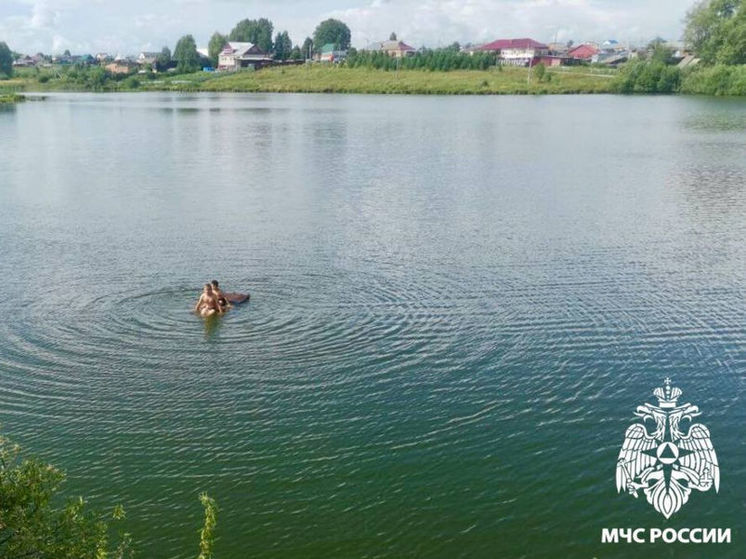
<point>36,522</point>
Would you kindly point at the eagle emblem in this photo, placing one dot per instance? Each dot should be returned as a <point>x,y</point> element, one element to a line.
<point>670,460</point>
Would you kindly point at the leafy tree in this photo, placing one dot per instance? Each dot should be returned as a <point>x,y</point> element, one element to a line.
<point>392,37</point>
<point>661,53</point>
<point>216,44</point>
<point>716,80</point>
<point>186,55</point>
<point>35,524</point>
<point>283,46</point>
<point>640,76</point>
<point>716,31</point>
<point>32,524</point>
<point>540,71</point>
<point>67,53</point>
<point>332,31</point>
<point>455,46</point>
<point>307,47</point>
<point>6,60</point>
<point>256,31</point>
<point>296,53</point>
<point>163,60</point>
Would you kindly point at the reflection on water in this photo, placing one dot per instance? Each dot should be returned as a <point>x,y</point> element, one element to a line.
<point>212,326</point>
<point>456,304</point>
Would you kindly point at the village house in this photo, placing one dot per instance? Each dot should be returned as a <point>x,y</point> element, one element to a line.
<point>395,48</point>
<point>147,58</point>
<point>122,66</point>
<point>584,52</point>
<point>517,52</point>
<point>237,55</point>
<point>331,53</point>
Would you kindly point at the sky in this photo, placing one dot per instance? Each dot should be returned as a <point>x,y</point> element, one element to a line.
<point>128,27</point>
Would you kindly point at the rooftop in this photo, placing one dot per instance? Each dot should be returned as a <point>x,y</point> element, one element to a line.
<point>502,44</point>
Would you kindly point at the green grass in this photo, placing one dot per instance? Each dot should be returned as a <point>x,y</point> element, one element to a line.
<point>319,78</point>
<point>335,79</point>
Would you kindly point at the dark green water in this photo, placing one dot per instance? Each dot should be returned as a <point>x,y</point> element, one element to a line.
<point>457,304</point>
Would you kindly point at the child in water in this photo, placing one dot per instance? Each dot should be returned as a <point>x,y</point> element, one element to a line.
<point>208,303</point>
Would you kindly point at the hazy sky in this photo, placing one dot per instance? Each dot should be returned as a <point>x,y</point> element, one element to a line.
<point>128,27</point>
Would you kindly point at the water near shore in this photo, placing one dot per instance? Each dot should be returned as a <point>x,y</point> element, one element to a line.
<point>457,304</point>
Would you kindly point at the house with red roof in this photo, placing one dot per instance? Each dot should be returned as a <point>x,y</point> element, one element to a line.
<point>583,52</point>
<point>517,52</point>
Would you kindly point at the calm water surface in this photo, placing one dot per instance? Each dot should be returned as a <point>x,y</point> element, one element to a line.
<point>457,304</point>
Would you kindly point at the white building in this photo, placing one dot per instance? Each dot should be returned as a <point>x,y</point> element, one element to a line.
<point>517,52</point>
<point>236,55</point>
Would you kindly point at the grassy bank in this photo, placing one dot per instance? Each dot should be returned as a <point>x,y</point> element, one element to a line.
<point>330,79</point>
<point>325,79</point>
<point>637,77</point>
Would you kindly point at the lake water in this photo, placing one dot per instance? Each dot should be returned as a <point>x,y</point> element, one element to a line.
<point>457,304</point>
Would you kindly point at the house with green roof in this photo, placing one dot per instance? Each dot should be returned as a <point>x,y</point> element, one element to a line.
<point>331,52</point>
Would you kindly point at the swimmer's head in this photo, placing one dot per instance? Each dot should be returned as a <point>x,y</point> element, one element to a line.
<point>214,283</point>
<point>208,288</point>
